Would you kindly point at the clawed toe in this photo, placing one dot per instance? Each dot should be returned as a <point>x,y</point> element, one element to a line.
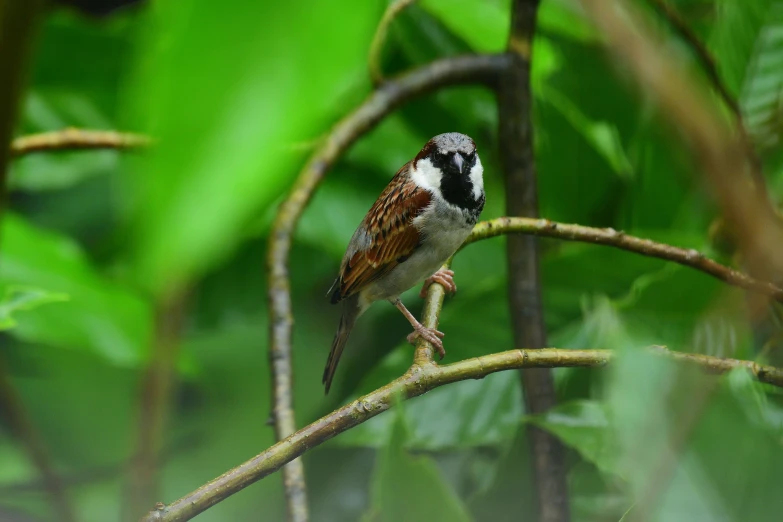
<point>444,277</point>
<point>430,335</point>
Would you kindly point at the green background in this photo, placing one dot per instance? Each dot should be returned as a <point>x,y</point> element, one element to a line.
<point>237,94</point>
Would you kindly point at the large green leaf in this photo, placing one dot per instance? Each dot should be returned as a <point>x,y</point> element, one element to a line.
<point>20,298</point>
<point>101,316</point>
<point>407,487</point>
<point>227,116</point>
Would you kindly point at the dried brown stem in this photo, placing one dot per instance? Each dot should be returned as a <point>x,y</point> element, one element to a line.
<point>515,137</point>
<point>376,47</point>
<point>76,139</point>
<point>618,239</point>
<point>156,390</point>
<point>707,61</point>
<point>710,67</point>
<point>686,106</point>
<point>18,24</point>
<point>25,432</point>
<point>418,380</point>
<point>389,96</point>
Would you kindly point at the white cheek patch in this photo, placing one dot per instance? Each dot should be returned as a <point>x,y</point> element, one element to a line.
<point>426,175</point>
<point>477,178</point>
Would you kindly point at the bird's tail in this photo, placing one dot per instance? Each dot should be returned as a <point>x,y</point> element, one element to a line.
<point>351,312</point>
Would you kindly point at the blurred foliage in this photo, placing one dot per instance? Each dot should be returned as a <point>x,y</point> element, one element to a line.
<point>237,95</point>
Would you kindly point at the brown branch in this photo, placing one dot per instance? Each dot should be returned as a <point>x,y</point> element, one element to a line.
<point>18,24</point>
<point>376,47</point>
<point>710,67</point>
<point>156,390</point>
<point>686,105</point>
<point>76,139</point>
<point>618,239</point>
<point>393,93</point>
<point>515,136</point>
<point>418,380</point>
<point>704,56</point>
<point>25,432</point>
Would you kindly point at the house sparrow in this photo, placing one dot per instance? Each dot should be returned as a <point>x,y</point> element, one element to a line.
<point>422,217</point>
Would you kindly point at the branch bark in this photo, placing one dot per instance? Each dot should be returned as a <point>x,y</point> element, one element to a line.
<point>76,139</point>
<point>154,405</point>
<point>618,239</point>
<point>515,138</point>
<point>376,47</point>
<point>721,153</point>
<point>417,381</point>
<point>25,432</point>
<point>389,96</point>
<point>18,25</point>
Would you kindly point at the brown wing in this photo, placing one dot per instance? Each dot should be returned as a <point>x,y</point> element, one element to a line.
<point>386,237</point>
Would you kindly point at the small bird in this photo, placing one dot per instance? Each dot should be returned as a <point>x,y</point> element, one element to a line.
<point>422,217</point>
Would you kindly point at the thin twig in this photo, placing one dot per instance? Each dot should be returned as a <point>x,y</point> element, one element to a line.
<point>18,24</point>
<point>417,381</point>
<point>686,105</point>
<point>618,239</point>
<point>155,398</point>
<point>423,80</point>
<point>515,139</point>
<point>710,67</point>
<point>707,61</point>
<point>29,438</point>
<point>76,139</point>
<point>376,47</point>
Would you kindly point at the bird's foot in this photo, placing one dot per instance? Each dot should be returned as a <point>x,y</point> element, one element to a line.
<point>442,276</point>
<point>431,335</point>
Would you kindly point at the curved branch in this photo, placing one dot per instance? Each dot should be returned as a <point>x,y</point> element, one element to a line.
<point>417,381</point>
<point>618,239</point>
<point>453,71</point>
<point>722,155</point>
<point>74,139</point>
<point>395,8</point>
<point>707,61</point>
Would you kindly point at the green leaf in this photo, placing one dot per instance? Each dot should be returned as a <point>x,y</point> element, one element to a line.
<point>603,136</point>
<point>227,117</point>
<point>19,298</point>
<point>408,487</point>
<point>101,315</point>
<point>584,426</point>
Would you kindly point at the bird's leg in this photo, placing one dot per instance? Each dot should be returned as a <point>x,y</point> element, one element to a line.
<point>430,335</point>
<point>442,276</point>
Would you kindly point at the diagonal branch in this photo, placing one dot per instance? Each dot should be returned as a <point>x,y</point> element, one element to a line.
<point>707,61</point>
<point>376,47</point>
<point>75,139</point>
<point>721,154</point>
<point>418,380</point>
<point>618,239</point>
<point>393,93</point>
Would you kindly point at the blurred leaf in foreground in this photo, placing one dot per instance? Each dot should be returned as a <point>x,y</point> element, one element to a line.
<point>19,298</point>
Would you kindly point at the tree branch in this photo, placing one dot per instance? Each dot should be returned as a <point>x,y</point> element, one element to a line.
<point>515,137</point>
<point>25,432</point>
<point>71,139</point>
<point>389,96</point>
<point>722,155</point>
<point>618,239</point>
<point>418,380</point>
<point>710,67</point>
<point>376,47</point>
<point>704,56</point>
<point>154,405</point>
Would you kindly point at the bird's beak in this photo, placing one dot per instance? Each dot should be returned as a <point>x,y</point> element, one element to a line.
<point>459,161</point>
